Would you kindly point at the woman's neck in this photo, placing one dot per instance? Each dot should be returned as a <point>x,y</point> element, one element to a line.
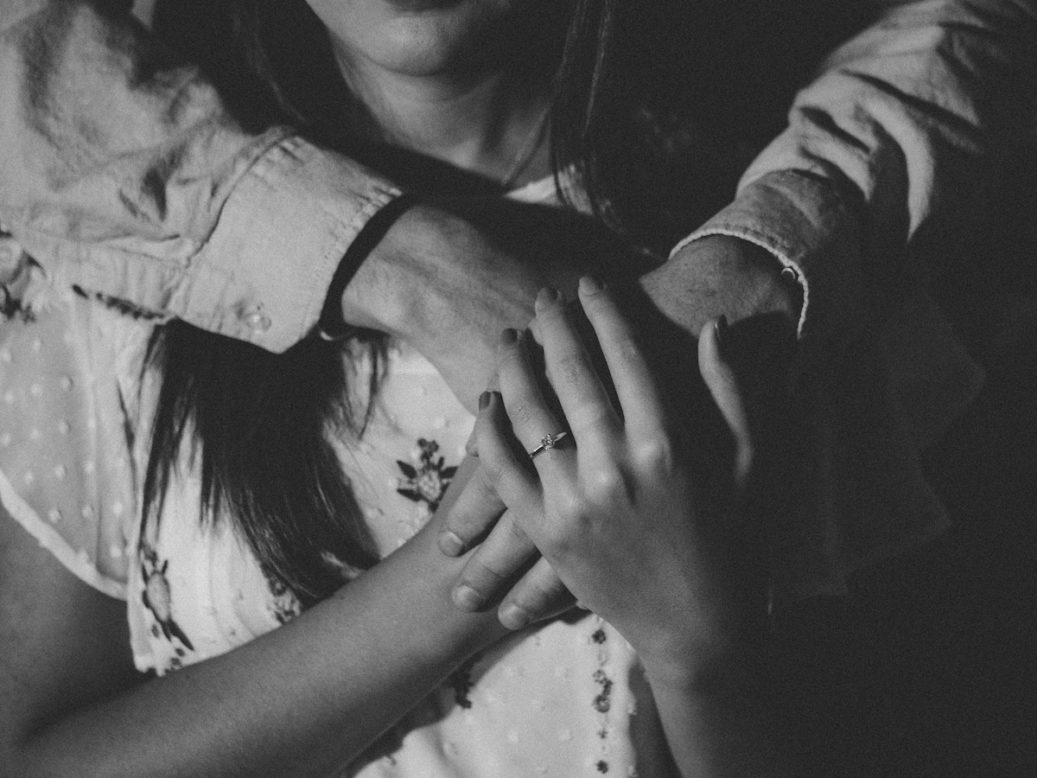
<point>490,123</point>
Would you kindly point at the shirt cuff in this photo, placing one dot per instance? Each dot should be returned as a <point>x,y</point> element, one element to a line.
<point>263,274</point>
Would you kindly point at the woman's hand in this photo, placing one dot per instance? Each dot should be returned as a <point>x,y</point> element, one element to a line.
<point>611,505</point>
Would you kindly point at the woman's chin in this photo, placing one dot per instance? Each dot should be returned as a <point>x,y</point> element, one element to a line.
<point>415,37</point>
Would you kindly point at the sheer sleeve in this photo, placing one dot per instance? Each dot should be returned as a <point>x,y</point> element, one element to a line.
<point>67,380</point>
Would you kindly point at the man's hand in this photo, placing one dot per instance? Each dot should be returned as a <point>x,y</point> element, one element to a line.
<point>448,279</point>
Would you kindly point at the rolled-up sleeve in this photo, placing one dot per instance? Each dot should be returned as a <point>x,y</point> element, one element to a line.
<point>894,135</point>
<point>123,173</point>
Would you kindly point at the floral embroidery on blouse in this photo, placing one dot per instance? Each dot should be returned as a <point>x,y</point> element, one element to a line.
<point>16,276</point>
<point>426,479</point>
<point>159,602</point>
<point>461,683</point>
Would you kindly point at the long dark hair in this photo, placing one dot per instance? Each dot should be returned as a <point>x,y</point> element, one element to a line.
<point>626,122</point>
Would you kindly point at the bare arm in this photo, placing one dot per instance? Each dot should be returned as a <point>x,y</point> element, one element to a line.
<point>308,696</point>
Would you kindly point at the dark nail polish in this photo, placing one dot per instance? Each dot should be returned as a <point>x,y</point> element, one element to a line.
<point>721,327</point>
<point>484,401</point>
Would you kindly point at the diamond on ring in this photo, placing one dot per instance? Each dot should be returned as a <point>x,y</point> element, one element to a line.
<point>548,442</point>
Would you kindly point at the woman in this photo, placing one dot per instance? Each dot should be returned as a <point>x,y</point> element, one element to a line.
<point>200,483</point>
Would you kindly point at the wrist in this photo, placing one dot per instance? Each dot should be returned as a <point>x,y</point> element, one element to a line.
<point>721,275</point>
<point>383,287</point>
<point>711,667</point>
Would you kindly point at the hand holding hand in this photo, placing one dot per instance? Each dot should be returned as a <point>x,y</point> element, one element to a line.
<point>611,505</point>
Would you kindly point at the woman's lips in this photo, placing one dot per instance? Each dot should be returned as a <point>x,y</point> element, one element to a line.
<point>415,6</point>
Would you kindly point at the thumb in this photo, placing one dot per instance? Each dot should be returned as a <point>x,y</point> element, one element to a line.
<point>720,379</point>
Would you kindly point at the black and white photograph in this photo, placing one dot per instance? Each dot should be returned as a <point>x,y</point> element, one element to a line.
<point>518,388</point>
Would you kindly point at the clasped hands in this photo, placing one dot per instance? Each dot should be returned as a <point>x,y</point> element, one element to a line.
<point>611,512</point>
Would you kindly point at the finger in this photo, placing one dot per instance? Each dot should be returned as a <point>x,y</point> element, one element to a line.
<point>532,421</point>
<point>495,564</point>
<point>720,379</point>
<point>637,390</point>
<point>517,486</point>
<point>539,594</point>
<point>471,445</point>
<point>585,402</point>
<point>508,475</point>
<point>472,515</point>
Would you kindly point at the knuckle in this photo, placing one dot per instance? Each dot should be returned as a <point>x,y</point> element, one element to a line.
<point>521,411</point>
<point>569,369</point>
<point>590,415</point>
<point>555,540</point>
<point>572,508</point>
<point>654,456</point>
<point>483,575</point>
<point>488,475</point>
<point>605,484</point>
<point>573,514</point>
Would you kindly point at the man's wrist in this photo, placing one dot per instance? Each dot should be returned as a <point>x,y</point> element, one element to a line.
<point>349,302</point>
<point>722,275</point>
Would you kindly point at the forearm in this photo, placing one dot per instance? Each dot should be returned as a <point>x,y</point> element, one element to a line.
<point>304,698</point>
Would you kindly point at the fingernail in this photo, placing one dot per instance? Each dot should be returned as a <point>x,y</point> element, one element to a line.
<point>545,297</point>
<point>484,401</point>
<point>512,616</point>
<point>450,543</point>
<point>591,285</point>
<point>720,325</point>
<point>466,598</point>
<point>509,337</point>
